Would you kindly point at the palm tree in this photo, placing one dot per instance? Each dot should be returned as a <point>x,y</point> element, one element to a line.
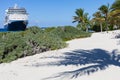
<point>82,18</point>
<point>116,5</point>
<point>105,10</point>
<point>114,20</point>
<point>115,13</point>
<point>98,19</point>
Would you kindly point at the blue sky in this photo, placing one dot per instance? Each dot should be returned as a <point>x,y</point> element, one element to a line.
<point>48,13</point>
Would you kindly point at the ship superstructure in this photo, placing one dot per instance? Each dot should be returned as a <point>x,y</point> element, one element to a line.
<point>16,19</point>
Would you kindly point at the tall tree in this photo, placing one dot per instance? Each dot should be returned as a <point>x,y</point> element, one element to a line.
<point>82,18</point>
<point>115,13</point>
<point>105,10</point>
<point>116,8</point>
<point>98,18</point>
<point>116,5</point>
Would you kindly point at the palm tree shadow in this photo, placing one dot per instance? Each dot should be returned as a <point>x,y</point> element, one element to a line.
<point>94,60</point>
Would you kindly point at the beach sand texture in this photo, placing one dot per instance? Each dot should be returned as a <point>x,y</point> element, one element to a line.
<point>83,59</point>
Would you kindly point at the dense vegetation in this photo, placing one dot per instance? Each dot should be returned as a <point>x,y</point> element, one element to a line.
<point>68,33</point>
<point>14,45</point>
<point>106,18</point>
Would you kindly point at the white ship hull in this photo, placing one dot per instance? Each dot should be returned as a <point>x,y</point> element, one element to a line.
<point>16,19</point>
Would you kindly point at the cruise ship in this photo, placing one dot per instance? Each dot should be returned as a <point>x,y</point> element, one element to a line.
<point>16,19</point>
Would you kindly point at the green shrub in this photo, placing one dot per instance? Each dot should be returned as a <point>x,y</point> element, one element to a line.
<point>34,40</point>
<point>69,32</point>
<point>14,45</point>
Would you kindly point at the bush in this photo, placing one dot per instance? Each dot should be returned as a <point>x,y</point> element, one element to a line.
<point>14,45</point>
<point>69,32</point>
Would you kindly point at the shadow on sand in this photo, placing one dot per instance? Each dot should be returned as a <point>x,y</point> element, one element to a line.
<point>94,60</point>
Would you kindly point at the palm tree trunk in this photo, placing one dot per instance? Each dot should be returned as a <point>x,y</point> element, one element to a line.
<point>106,20</point>
<point>101,27</point>
<point>107,26</point>
<point>86,29</point>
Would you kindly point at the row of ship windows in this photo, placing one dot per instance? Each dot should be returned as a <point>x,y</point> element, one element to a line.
<point>14,13</point>
<point>17,9</point>
<point>18,18</point>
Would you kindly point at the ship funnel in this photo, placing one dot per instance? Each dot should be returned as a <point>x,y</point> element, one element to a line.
<point>15,6</point>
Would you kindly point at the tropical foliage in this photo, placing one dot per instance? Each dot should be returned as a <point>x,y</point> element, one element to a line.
<point>82,19</point>
<point>14,45</point>
<point>106,18</point>
<point>68,32</point>
<point>115,13</point>
<point>110,15</point>
<point>98,19</point>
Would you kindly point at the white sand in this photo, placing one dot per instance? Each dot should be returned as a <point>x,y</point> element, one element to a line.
<point>25,68</point>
